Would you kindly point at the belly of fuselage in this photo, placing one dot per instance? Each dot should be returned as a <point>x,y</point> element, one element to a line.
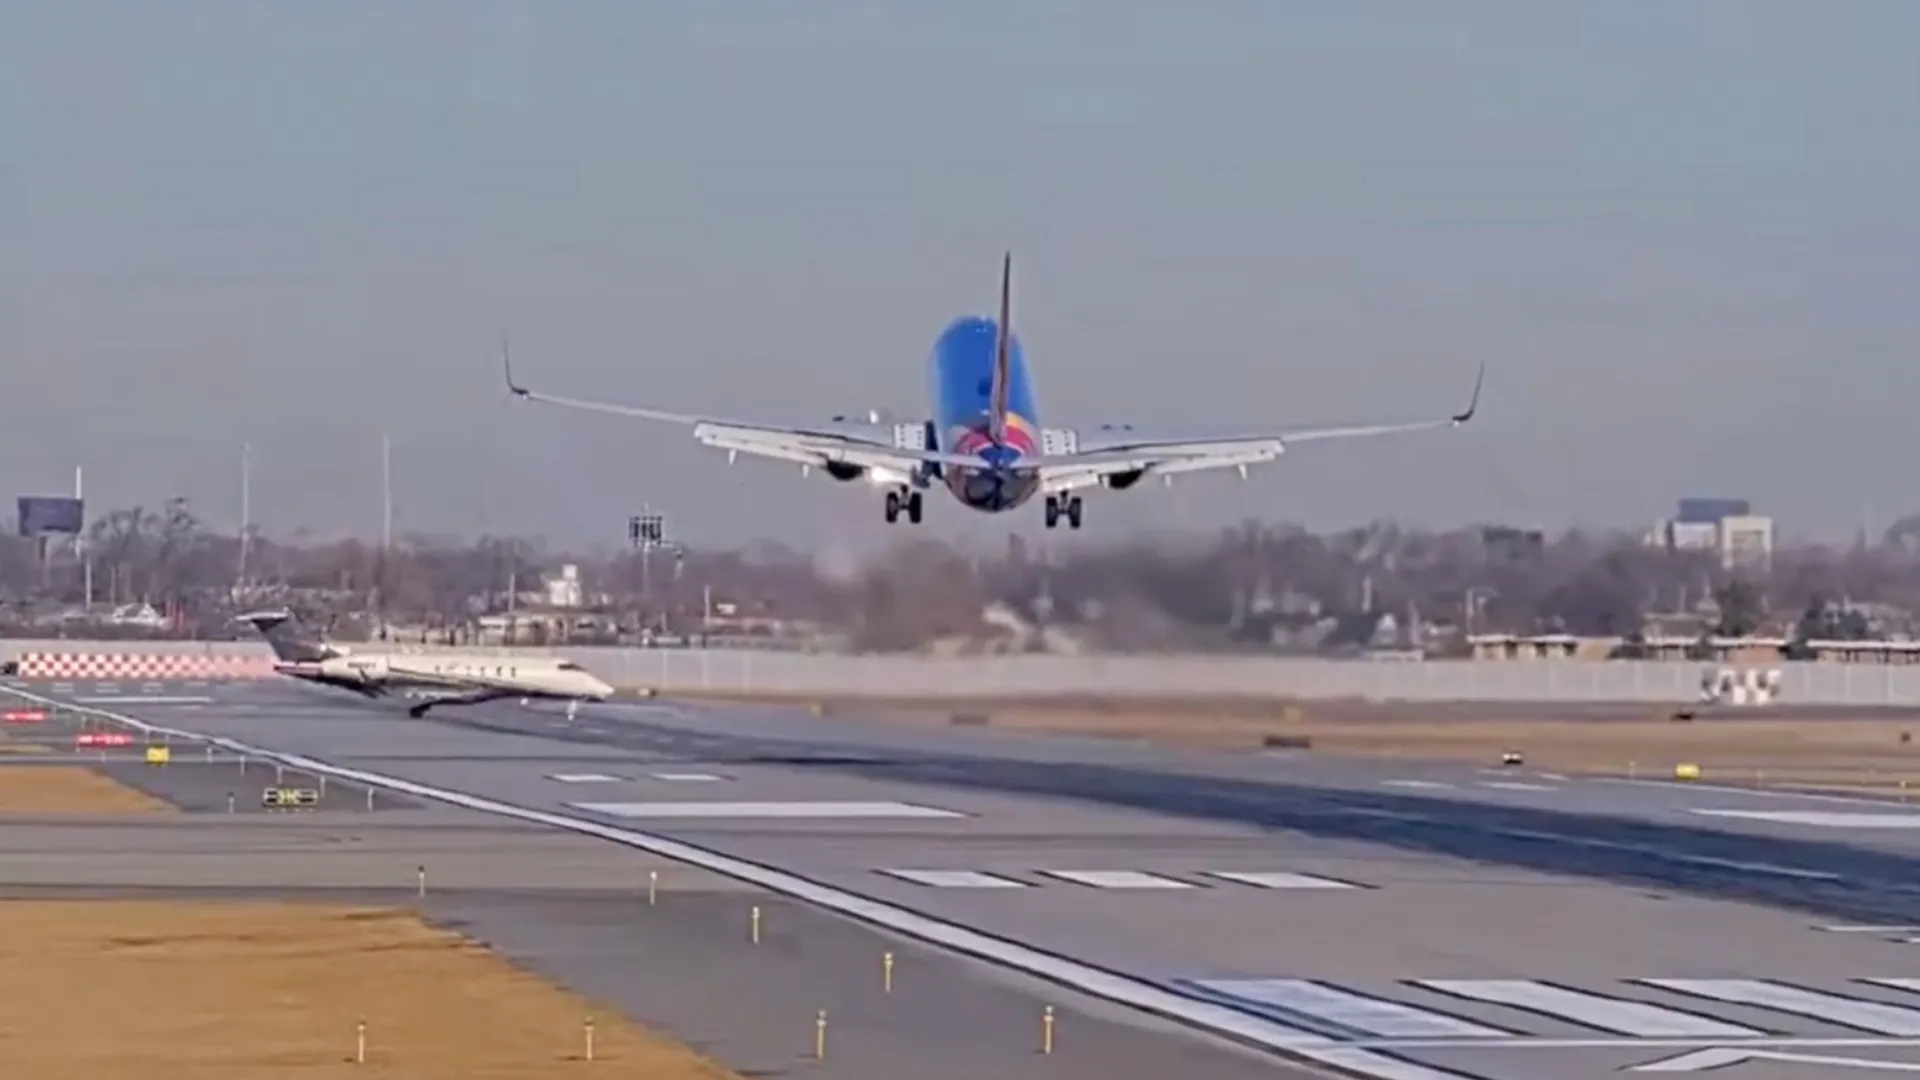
<point>992,491</point>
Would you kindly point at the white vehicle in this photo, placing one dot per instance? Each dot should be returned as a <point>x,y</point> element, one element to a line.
<point>440,678</point>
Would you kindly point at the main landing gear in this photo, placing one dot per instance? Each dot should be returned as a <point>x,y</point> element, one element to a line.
<point>908,501</point>
<point>1067,506</point>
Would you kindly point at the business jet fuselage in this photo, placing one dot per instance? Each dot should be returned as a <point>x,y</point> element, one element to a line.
<point>428,678</point>
<point>450,678</point>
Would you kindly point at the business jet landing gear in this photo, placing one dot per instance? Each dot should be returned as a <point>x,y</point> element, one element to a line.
<point>573,708</point>
<point>1067,506</point>
<point>903,499</point>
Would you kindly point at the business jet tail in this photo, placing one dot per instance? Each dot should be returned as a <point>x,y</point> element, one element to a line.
<point>291,643</point>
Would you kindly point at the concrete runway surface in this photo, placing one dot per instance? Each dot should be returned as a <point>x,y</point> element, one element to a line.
<point>1398,921</point>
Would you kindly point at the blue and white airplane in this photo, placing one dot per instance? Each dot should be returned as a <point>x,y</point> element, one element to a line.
<point>984,441</point>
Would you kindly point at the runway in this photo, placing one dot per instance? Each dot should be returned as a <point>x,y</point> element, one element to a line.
<point>1504,925</point>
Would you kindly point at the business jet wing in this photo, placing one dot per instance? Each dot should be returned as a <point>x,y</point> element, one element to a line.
<point>1100,457</point>
<point>898,447</point>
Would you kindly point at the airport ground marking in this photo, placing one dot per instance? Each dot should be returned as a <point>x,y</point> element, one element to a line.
<point>1363,1056</point>
<point>1718,1057</point>
<point>1145,995</point>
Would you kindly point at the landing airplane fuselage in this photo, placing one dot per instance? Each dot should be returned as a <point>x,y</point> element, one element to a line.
<point>983,440</point>
<point>962,370</point>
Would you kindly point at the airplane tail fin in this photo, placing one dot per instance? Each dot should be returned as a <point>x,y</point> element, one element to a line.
<point>289,642</point>
<point>997,401</point>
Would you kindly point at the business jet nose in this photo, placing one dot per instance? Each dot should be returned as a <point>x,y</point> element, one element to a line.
<point>601,690</point>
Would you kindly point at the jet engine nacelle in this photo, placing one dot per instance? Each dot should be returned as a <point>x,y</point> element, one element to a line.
<point>844,472</point>
<point>1121,481</point>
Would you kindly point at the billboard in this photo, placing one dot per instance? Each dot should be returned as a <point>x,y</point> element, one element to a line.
<point>42,515</point>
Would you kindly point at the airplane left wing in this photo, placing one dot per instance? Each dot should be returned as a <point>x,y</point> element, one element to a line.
<point>899,448</point>
<point>1168,457</point>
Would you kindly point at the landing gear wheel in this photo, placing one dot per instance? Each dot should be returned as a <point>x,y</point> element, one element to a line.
<point>893,507</point>
<point>913,508</point>
<point>1073,512</point>
<point>1053,511</point>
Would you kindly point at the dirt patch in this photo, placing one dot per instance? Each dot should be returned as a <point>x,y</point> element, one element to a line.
<point>69,789</point>
<point>239,991</point>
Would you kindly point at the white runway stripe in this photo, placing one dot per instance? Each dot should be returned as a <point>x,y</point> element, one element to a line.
<point>687,777</point>
<point>1279,879</point>
<point>956,879</point>
<point>584,778</point>
<point>1118,879</point>
<point>1848,1012</point>
<point>1516,785</point>
<point>142,699</point>
<point>1343,1008</point>
<point>785,810</point>
<point>1617,1015</point>
<point>1414,784</point>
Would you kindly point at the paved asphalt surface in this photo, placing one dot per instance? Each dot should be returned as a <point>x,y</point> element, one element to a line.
<point>1463,922</point>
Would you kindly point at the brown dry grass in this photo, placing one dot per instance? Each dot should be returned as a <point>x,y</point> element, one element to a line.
<point>143,990</point>
<point>70,789</point>
<point>1796,750</point>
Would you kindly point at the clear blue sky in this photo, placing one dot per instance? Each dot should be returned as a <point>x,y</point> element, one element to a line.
<point>1683,235</point>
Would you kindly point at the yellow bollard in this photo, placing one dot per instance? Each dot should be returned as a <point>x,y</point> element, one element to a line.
<point>1046,1030</point>
<point>820,1035</point>
<point>360,1043</point>
<point>886,973</point>
<point>753,924</point>
<point>653,887</point>
<point>589,1033</point>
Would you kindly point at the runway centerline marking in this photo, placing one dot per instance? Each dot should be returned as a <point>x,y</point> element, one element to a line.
<point>783,810</point>
<point>1826,819</point>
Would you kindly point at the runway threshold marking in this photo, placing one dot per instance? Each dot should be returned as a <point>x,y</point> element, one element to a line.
<point>1094,981</point>
<point>956,879</point>
<point>1119,879</point>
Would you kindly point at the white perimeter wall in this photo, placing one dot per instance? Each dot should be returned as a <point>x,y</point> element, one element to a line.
<point>1434,680</point>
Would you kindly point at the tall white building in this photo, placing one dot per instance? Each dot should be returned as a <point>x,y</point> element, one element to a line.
<point>1742,541</point>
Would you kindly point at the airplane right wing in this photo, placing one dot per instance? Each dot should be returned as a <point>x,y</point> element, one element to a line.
<point>1116,456</point>
<point>897,448</point>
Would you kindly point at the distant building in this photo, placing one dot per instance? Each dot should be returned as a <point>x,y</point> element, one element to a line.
<point>1746,542</point>
<point>1742,539</point>
<point>1699,510</point>
<point>564,591</point>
